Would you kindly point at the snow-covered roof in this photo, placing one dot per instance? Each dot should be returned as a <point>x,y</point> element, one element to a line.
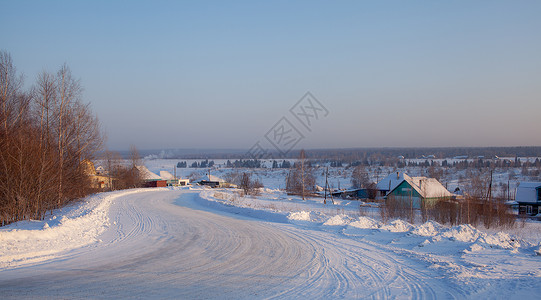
<point>166,175</point>
<point>529,185</point>
<point>146,174</point>
<point>426,187</point>
<point>429,187</point>
<point>391,181</point>
<point>526,191</point>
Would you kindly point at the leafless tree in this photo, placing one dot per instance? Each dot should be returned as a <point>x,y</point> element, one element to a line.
<point>360,178</point>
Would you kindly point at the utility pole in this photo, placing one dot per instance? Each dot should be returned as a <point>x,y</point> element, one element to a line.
<point>326,185</point>
<point>489,194</point>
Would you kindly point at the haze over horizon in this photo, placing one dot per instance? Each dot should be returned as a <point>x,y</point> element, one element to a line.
<point>207,75</point>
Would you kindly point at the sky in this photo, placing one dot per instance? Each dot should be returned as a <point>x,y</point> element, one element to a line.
<point>234,74</point>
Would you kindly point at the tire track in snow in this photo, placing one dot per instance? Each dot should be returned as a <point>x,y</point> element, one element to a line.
<point>161,250</point>
<point>360,270</point>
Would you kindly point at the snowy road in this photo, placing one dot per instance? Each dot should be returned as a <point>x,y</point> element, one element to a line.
<point>160,244</point>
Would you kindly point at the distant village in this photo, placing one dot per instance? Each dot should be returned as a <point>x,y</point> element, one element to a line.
<point>415,190</point>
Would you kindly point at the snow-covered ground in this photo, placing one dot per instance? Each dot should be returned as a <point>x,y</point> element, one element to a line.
<point>213,243</point>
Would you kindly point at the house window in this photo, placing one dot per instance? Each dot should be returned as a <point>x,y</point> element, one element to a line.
<point>539,194</point>
<point>529,209</point>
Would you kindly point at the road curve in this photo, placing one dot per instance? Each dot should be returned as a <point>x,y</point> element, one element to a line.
<point>155,248</point>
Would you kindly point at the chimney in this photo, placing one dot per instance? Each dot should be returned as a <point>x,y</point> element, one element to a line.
<point>397,175</point>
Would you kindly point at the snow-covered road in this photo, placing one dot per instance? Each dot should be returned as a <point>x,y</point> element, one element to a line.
<point>162,244</point>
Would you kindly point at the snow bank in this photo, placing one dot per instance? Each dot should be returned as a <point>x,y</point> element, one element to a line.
<point>365,223</point>
<point>469,234</point>
<point>338,220</point>
<point>299,216</point>
<point>398,226</point>
<point>473,239</point>
<point>72,227</point>
<point>429,228</point>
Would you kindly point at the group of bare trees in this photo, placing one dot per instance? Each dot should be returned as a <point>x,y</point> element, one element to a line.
<point>123,173</point>
<point>250,186</point>
<point>245,182</point>
<point>301,179</point>
<point>470,210</point>
<point>46,133</point>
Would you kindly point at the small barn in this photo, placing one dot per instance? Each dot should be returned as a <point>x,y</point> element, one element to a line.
<point>528,197</point>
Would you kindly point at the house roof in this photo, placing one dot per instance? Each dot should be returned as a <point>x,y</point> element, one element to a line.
<point>427,187</point>
<point>166,175</point>
<point>529,185</point>
<point>146,174</point>
<point>392,180</point>
<point>527,191</point>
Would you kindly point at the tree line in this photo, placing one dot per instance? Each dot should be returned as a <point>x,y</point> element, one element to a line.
<point>47,133</point>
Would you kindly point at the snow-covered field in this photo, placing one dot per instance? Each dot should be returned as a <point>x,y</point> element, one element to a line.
<point>213,243</point>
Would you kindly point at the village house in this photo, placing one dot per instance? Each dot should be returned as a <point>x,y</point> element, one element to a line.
<point>420,189</point>
<point>96,175</point>
<point>415,189</point>
<point>528,198</point>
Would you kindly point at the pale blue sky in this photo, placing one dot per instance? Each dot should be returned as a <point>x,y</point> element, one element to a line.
<point>220,74</point>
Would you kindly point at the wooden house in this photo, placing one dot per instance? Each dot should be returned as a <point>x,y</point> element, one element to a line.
<point>420,189</point>
<point>528,197</point>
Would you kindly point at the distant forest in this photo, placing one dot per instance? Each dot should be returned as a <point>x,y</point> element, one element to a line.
<point>353,154</point>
